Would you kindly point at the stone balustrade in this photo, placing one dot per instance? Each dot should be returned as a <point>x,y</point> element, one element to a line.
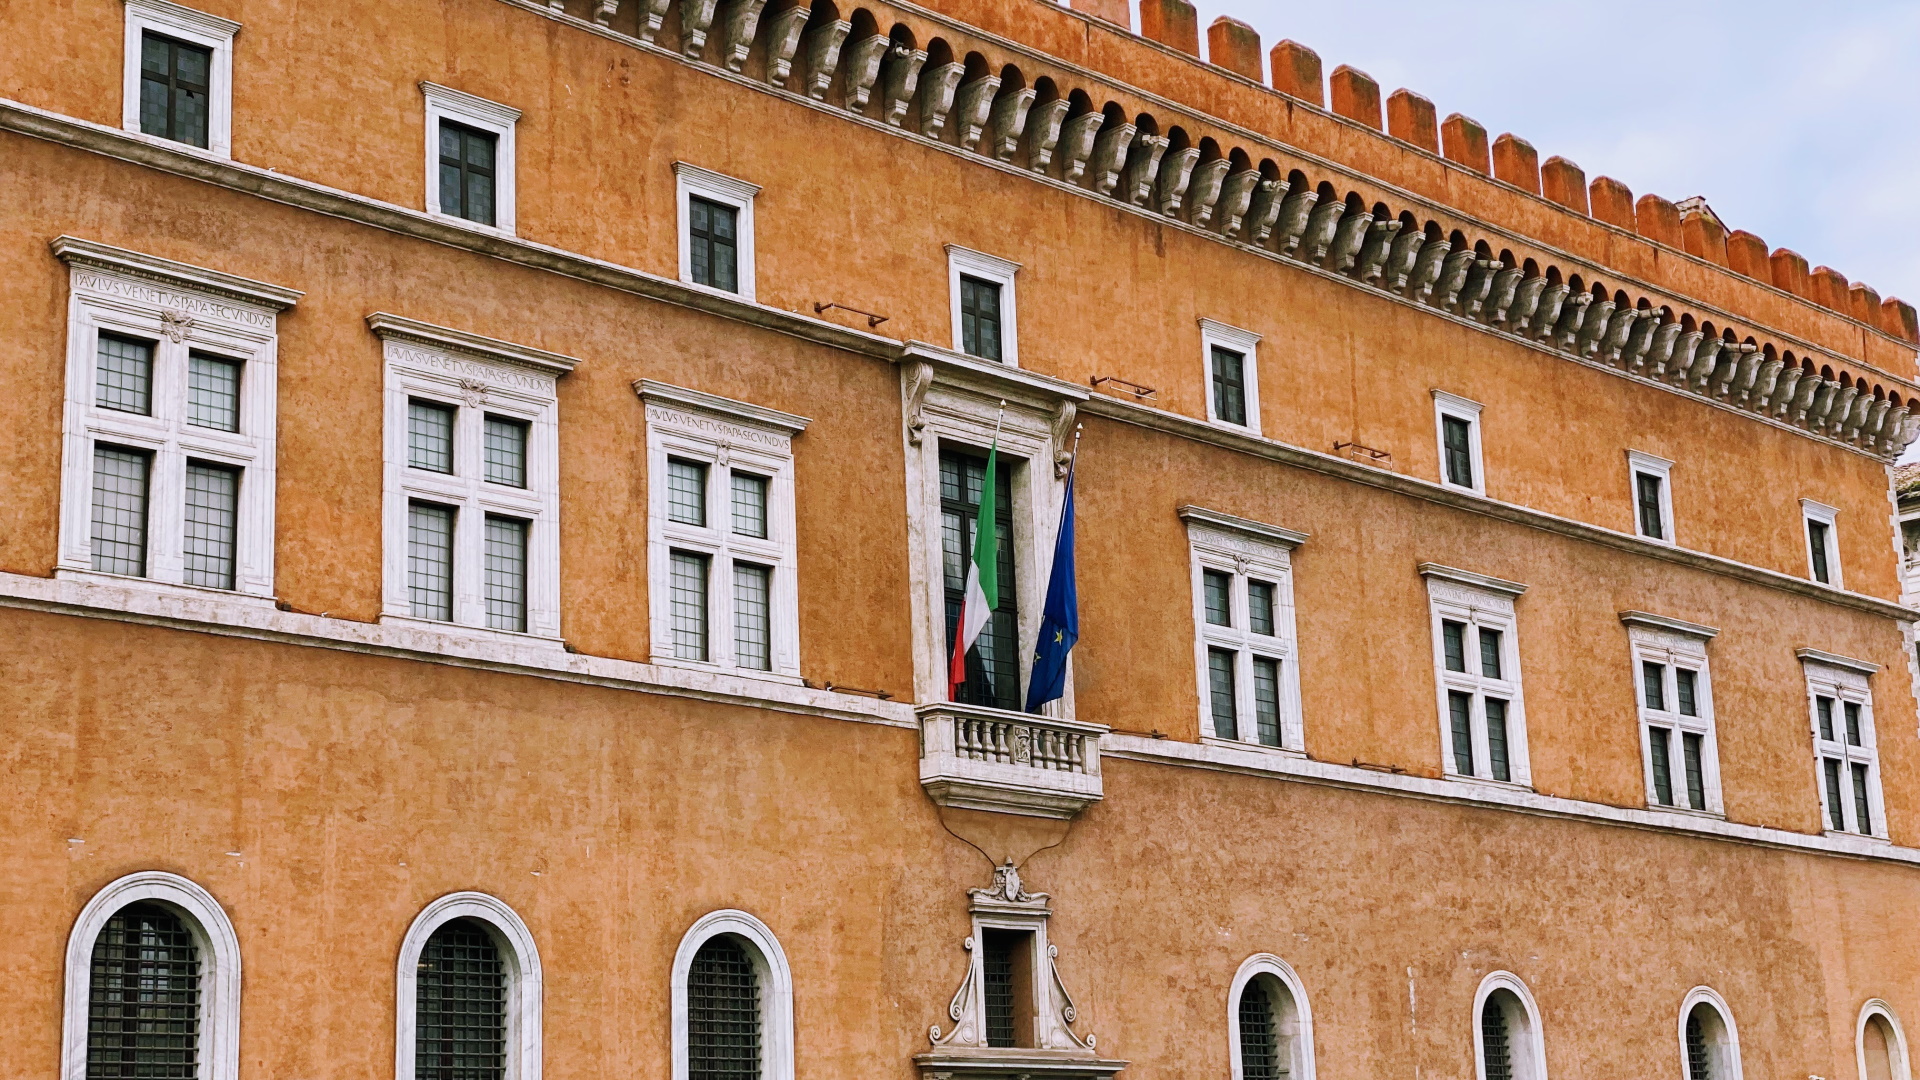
<point>991,759</point>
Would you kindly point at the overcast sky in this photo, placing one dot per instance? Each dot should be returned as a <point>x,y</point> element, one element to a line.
<point>1799,121</point>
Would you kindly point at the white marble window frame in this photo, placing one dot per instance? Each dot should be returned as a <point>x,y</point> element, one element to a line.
<point>1448,404</point>
<point>1527,1048</point>
<point>776,989</point>
<point>1245,551</point>
<point>1674,648</point>
<point>724,435</point>
<point>524,980</point>
<point>1638,463</point>
<point>1246,343</point>
<point>690,180</point>
<point>1270,966</point>
<point>990,268</point>
<point>1846,685</point>
<point>218,1049</point>
<point>1811,510</point>
<point>184,24</point>
<point>1896,1046</point>
<point>446,103</point>
<point>475,376</point>
<point>179,309</point>
<point>1726,1063</point>
<point>1479,602</point>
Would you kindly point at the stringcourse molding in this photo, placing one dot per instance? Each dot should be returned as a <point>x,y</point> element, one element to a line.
<point>968,92</point>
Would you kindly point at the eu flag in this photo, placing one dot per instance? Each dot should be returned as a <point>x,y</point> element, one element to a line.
<point>1060,622</point>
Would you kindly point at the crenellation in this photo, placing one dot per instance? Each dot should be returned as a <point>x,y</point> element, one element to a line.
<point>1412,118</point>
<point>1516,162</point>
<point>1611,201</point>
<point>1355,95</point>
<point>1296,72</point>
<point>1564,182</point>
<point>1235,46</point>
<point>1464,142</point>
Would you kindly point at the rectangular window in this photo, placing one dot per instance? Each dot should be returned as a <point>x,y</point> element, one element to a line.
<point>1229,386</point>
<point>213,392</point>
<point>1653,680</point>
<point>213,512</point>
<point>1684,682</point>
<point>430,436</point>
<point>1844,746</point>
<point>1862,810</point>
<point>1649,495</point>
<point>467,172</point>
<point>1217,586</point>
<point>1691,755</point>
<point>687,492</point>
<point>1817,540</point>
<point>993,665</point>
<point>1266,700</point>
<point>749,505</point>
<point>688,601</point>
<point>714,239</point>
<point>1836,811</point>
<point>1220,680</point>
<point>1824,706</point>
<point>980,318</point>
<point>503,445</point>
<point>1260,607</point>
<point>1670,664</point>
<point>1489,652</point>
<point>175,81</point>
<point>1460,721</point>
<point>752,629</point>
<point>1456,437</point>
<point>430,560</point>
<point>1454,639</point>
<point>1477,668</point>
<point>1660,749</point>
<point>505,573</point>
<point>123,375</point>
<point>1497,739</point>
<point>120,510</point>
<point>1852,713</point>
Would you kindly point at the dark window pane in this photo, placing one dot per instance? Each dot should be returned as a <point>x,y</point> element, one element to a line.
<point>723,1013</point>
<point>1266,700</point>
<point>213,392</point>
<point>687,604</point>
<point>1229,386</point>
<point>174,88</point>
<point>1692,747</point>
<point>430,561</point>
<point>143,998</point>
<point>1453,639</point>
<point>460,1011</point>
<point>1216,589</point>
<point>1456,434</point>
<point>1497,739</point>
<point>123,375</point>
<point>1684,681</point>
<point>686,492</point>
<point>712,244</point>
<point>1259,1049</point>
<point>120,510</point>
<point>467,172</point>
<point>1852,712</point>
<point>505,573</point>
<point>996,964</point>
<point>1648,489</point>
<point>1260,607</point>
<point>1220,693</point>
<point>1817,532</point>
<point>1836,814</point>
<point>1494,1049</point>
<point>504,448</point>
<point>213,510</point>
<point>1862,810</point>
<point>752,622</point>
<point>980,318</point>
<point>1653,682</point>
<point>1489,652</point>
<point>749,505</point>
<point>1699,1065</point>
<point>430,436</point>
<point>1824,706</point>
<point>1460,715</point>
<point>993,666</point>
<point>1660,748</point>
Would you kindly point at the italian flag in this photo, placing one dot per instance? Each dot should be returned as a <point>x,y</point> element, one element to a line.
<point>983,578</point>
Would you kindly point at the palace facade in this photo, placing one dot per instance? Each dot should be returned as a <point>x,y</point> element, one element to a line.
<point>489,489</point>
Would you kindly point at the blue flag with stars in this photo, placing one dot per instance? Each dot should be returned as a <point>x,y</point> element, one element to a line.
<point>1060,621</point>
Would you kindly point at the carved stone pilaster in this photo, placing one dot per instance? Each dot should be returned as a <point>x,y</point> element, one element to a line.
<point>1809,388</point>
<point>1593,328</point>
<point>783,37</point>
<point>1749,373</point>
<point>1552,300</point>
<point>1294,213</point>
<point>1204,191</point>
<point>823,58</point>
<point>1784,387</point>
<point>695,18</point>
<point>900,79</point>
<point>652,12</point>
<point>1573,316</point>
<point>1426,268</point>
<point>1176,172</point>
<point>1729,366</point>
<point>743,18</point>
<point>863,68</point>
<point>1453,276</point>
<point>1660,352</point>
<point>936,97</point>
<point>1500,297</point>
<point>1473,295</point>
<point>1614,344</point>
<point>1526,302</point>
<point>1007,121</point>
<point>970,107</point>
<point>919,376</point>
<point>1063,421</point>
<point>1841,409</point>
<point>1893,437</point>
<point>1400,258</point>
<point>1043,132</point>
<point>1870,429</point>
<point>1264,210</point>
<point>1633,356</point>
<point>1109,156</point>
<point>1235,197</point>
<point>1076,143</point>
<point>1760,397</point>
<point>1704,358</point>
<point>1849,428</point>
<point>1143,167</point>
<point>1686,352</point>
<point>1347,238</point>
<point>605,10</point>
<point>1321,225</point>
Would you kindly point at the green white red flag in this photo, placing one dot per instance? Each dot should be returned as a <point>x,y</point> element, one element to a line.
<point>983,577</point>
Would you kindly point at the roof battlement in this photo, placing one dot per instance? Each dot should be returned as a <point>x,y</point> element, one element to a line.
<point>1400,138</point>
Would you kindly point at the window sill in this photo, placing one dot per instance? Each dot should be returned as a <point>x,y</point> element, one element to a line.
<point>1481,781</point>
<point>163,588</point>
<point>1869,838</point>
<point>1253,747</point>
<point>184,147</point>
<point>476,634</point>
<point>714,290</point>
<point>468,223</point>
<point>747,674</point>
<point>1687,811</point>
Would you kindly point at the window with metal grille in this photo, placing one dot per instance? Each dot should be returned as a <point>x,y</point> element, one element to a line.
<point>460,1006</point>
<point>752,629</point>
<point>1650,494</point>
<point>1456,437</point>
<point>430,560</point>
<point>123,375</point>
<point>1819,537</point>
<point>1226,720</point>
<point>993,665</point>
<point>723,1013</point>
<point>1672,709</point>
<point>504,573</point>
<point>686,492</point>
<point>749,505</point>
<point>1229,386</point>
<point>1699,1061</point>
<point>143,998</point>
<point>430,436</point>
<point>213,392</point>
<point>213,511</point>
<point>174,80</point>
<point>687,603</point>
<point>713,237</point>
<point>1845,747</point>
<point>503,445</point>
<point>980,318</point>
<point>1259,1048</point>
<point>1003,969</point>
<point>467,172</point>
<point>120,509</point>
<point>1496,1051</point>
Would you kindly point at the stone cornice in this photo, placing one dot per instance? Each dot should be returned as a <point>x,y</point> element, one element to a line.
<point>401,328</point>
<point>1647,620</point>
<point>1820,656</point>
<point>651,390</point>
<point>1258,530</point>
<point>109,259</point>
<point>1472,580</point>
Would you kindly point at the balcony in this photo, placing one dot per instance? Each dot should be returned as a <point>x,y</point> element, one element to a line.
<point>978,758</point>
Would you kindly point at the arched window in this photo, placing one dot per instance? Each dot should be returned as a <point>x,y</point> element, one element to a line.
<point>1271,1024</point>
<point>1709,1044</point>
<point>469,994</point>
<point>732,1002</point>
<point>1882,1045</point>
<point>1507,1038</point>
<point>153,984</point>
